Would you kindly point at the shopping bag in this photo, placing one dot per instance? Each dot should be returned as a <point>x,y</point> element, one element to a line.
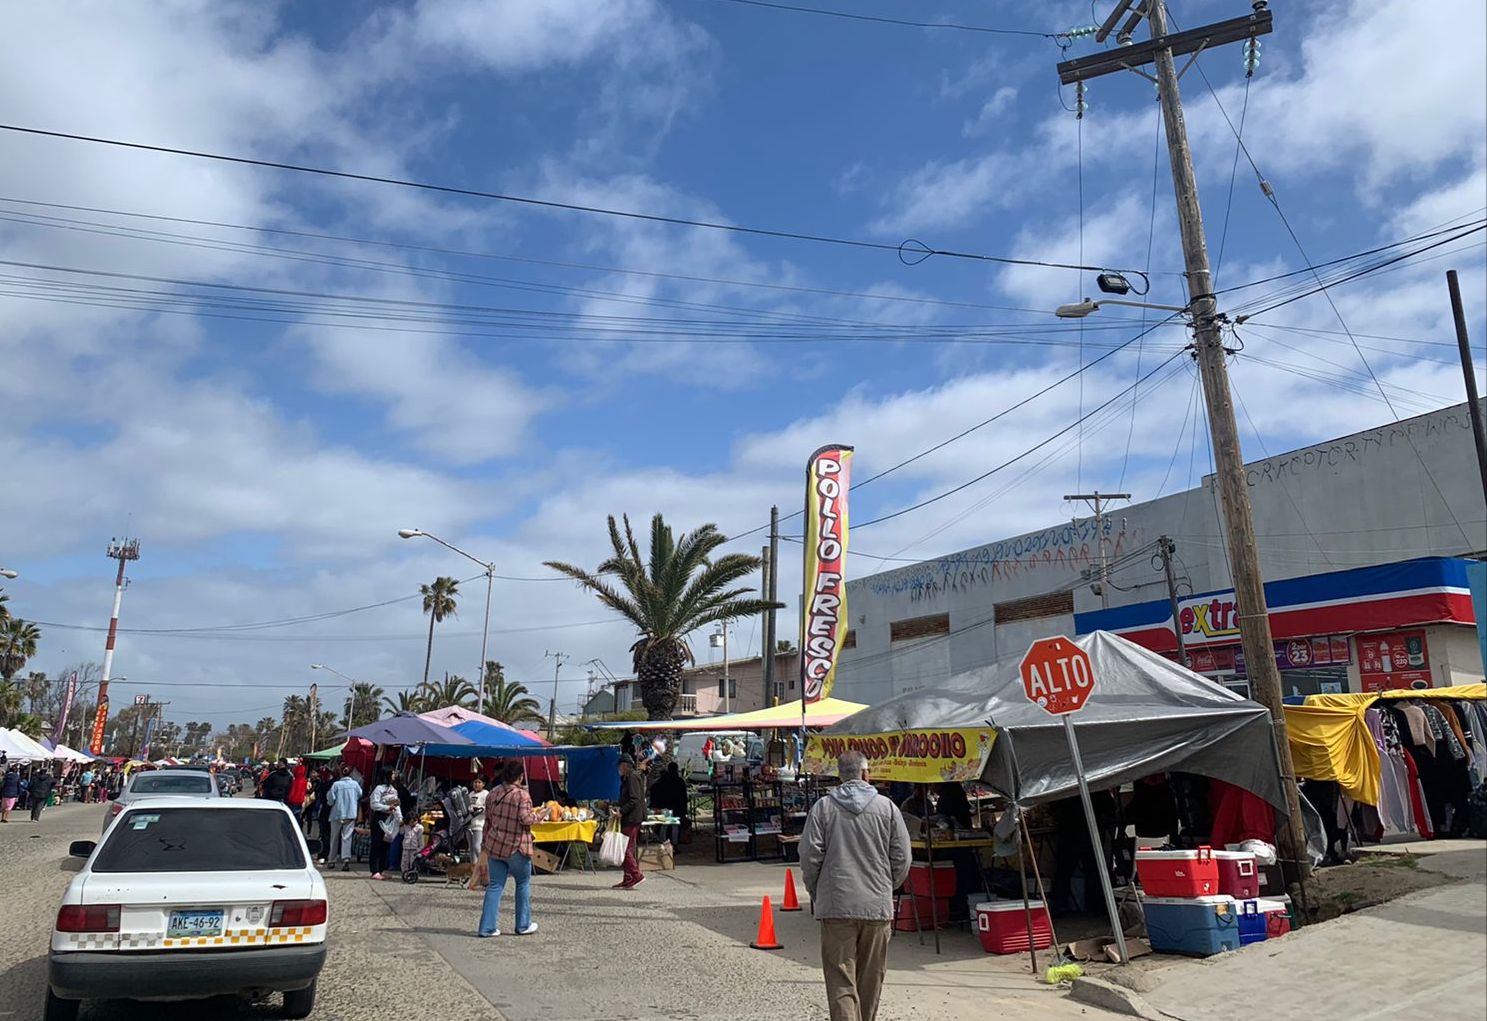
<point>612,851</point>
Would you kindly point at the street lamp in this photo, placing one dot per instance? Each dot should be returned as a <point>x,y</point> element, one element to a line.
<point>490,569</point>
<point>6,572</point>
<point>1080,309</point>
<point>716,639</point>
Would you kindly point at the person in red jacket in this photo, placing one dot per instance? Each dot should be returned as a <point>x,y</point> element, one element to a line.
<point>298,787</point>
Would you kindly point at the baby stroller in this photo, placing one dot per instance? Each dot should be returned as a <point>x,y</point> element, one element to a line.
<point>446,846</point>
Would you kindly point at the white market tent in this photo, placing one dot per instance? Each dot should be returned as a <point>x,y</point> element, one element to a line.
<point>20,748</point>
<point>66,754</point>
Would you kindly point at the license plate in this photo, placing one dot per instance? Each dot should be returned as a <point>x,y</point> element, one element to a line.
<point>194,923</point>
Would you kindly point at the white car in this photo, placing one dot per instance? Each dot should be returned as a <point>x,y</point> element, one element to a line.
<point>161,783</point>
<point>189,899</point>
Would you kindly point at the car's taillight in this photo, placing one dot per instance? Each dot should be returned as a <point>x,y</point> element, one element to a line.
<point>115,808</point>
<point>297,912</point>
<point>88,918</point>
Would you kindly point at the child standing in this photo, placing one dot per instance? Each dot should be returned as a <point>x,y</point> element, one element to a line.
<point>412,837</point>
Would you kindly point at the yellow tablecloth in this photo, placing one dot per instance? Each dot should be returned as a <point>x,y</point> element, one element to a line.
<point>563,832</point>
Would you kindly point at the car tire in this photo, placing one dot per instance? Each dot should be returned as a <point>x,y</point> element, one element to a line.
<point>58,1009</point>
<point>299,1002</point>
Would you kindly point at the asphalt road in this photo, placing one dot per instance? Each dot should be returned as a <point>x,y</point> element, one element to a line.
<point>378,966</point>
<point>676,948</point>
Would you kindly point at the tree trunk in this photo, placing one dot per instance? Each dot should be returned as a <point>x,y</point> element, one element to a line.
<point>660,679</point>
<point>429,656</point>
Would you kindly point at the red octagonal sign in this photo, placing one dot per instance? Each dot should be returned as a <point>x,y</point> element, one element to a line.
<point>1057,675</point>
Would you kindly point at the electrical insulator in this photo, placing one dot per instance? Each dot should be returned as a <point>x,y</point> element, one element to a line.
<point>1082,32</point>
<point>1080,106</point>
<point>1251,57</point>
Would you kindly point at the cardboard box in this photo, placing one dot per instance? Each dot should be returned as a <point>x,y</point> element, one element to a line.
<point>544,861</point>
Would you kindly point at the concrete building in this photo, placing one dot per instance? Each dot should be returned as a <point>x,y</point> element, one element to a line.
<point>1331,519</point>
<point>702,687</point>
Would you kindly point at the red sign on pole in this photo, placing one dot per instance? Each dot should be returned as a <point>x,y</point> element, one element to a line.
<point>1057,676</point>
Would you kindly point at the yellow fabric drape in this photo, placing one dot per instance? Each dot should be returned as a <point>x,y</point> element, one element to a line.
<point>1330,739</point>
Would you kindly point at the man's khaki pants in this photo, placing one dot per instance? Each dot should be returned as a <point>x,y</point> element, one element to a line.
<point>854,957</point>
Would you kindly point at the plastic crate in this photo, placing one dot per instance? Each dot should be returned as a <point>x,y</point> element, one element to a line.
<point>1277,916</point>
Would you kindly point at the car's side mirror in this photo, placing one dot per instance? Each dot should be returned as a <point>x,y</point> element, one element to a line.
<point>313,845</point>
<point>81,848</point>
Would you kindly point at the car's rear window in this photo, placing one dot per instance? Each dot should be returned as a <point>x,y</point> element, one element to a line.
<point>171,783</point>
<point>200,840</point>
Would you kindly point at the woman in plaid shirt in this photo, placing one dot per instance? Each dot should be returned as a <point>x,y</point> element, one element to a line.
<point>506,850</point>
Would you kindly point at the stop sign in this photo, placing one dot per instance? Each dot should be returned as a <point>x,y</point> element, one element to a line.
<point>1057,675</point>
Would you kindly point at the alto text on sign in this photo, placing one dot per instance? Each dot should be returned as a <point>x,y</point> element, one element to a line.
<point>1057,675</point>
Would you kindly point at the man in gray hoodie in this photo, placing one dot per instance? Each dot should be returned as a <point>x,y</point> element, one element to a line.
<point>853,854</point>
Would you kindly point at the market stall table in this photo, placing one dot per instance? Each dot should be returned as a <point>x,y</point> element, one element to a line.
<point>567,833</point>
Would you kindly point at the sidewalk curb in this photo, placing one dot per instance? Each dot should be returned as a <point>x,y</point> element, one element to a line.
<point>1096,992</point>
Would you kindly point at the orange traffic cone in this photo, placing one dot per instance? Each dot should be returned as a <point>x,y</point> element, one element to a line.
<point>792,902</point>
<point>766,939</point>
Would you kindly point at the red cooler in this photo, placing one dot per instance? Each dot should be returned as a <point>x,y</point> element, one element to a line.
<point>905,919</point>
<point>1237,875</point>
<point>1002,927</point>
<point>942,883</point>
<point>1178,873</point>
<point>1277,916</point>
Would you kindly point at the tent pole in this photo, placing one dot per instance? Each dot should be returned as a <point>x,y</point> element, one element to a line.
<point>1037,877</point>
<point>1027,911</point>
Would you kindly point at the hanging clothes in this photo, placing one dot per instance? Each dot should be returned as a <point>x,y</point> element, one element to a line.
<point>1419,727</point>
<point>1393,806</point>
<point>1417,798</point>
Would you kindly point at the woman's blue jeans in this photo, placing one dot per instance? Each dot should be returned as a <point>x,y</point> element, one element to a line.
<point>518,867</point>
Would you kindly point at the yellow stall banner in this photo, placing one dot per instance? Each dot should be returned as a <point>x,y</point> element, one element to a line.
<point>931,755</point>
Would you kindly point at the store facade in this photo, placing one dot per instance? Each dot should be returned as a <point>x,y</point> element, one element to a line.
<point>1403,625</point>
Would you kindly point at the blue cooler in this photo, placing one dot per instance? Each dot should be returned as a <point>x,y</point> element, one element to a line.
<point>1193,925</point>
<point>1252,923</point>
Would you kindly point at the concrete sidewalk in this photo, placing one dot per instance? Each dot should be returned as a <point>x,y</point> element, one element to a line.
<point>1418,958</point>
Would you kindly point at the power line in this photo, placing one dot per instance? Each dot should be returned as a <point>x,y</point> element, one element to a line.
<point>987,474</point>
<point>878,19</point>
<point>912,252</point>
<point>526,260</point>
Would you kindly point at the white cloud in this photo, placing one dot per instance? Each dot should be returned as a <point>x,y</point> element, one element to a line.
<point>992,113</point>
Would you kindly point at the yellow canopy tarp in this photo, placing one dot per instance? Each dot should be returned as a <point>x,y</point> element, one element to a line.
<point>1330,739</point>
<point>821,713</point>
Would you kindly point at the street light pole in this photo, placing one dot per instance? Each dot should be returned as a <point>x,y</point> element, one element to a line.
<point>490,574</point>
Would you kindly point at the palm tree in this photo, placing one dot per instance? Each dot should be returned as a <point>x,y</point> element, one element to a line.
<point>438,603</point>
<point>508,701</point>
<point>295,719</point>
<point>668,594</point>
<point>362,705</point>
<point>18,640</point>
<point>11,702</point>
<point>4,610</point>
<point>454,691</point>
<point>406,702</point>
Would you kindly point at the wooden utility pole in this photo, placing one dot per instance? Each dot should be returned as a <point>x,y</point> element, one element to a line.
<point>1165,549</point>
<point>1473,403</point>
<point>1097,500</point>
<point>1249,587</point>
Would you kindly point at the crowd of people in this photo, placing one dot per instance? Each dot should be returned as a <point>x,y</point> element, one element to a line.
<point>31,786</point>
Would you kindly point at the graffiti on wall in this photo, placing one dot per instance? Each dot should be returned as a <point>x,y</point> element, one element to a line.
<point>1063,549</point>
<point>1350,453</point>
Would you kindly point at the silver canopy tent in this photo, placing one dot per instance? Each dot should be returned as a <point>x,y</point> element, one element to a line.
<point>1147,715</point>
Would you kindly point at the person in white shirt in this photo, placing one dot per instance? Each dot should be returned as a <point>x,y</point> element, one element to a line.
<point>477,814</point>
<point>385,818</point>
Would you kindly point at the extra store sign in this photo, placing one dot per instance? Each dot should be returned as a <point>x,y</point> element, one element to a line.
<point>1208,619</point>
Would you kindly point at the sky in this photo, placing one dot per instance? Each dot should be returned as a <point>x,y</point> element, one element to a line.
<point>264,374</point>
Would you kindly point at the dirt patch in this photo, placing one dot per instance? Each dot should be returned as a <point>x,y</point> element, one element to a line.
<point>1341,889</point>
